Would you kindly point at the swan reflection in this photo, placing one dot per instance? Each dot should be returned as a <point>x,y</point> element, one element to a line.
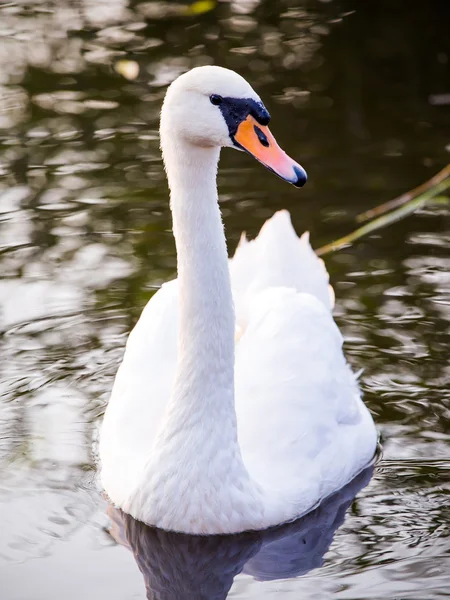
<point>177,566</point>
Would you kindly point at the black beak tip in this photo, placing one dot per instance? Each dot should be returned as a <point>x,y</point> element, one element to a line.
<point>302,177</point>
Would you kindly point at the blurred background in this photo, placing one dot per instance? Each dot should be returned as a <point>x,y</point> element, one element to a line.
<point>359,94</point>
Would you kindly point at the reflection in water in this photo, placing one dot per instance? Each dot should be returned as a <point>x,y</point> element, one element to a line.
<point>176,565</point>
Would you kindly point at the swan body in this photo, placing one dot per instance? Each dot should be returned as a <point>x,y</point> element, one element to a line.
<point>234,408</point>
<point>178,566</point>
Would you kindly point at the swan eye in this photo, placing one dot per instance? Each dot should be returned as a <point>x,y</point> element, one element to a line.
<point>216,100</point>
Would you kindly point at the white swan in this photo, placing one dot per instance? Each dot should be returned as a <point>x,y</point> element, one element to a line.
<point>221,422</point>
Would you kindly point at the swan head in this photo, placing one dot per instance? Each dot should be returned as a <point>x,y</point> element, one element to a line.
<point>215,107</point>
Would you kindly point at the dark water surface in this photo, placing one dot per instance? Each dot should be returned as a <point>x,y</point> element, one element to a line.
<point>359,94</point>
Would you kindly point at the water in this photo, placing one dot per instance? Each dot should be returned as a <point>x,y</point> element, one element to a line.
<point>357,93</point>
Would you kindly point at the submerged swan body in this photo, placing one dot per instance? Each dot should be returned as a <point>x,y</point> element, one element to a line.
<point>234,408</point>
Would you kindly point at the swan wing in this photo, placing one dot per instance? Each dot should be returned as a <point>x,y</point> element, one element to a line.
<point>277,257</point>
<point>141,390</point>
<point>303,429</point>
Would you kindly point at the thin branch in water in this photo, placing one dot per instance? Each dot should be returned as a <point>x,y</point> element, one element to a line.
<point>405,198</point>
<point>385,220</point>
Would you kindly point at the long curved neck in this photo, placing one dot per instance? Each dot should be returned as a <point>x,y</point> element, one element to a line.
<point>196,450</point>
<point>205,368</point>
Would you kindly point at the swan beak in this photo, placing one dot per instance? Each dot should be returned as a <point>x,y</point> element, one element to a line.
<point>257,140</point>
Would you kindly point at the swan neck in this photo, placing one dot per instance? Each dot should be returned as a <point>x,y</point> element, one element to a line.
<point>206,314</point>
<point>196,450</point>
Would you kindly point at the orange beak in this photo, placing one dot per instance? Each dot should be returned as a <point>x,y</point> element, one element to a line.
<point>257,140</point>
